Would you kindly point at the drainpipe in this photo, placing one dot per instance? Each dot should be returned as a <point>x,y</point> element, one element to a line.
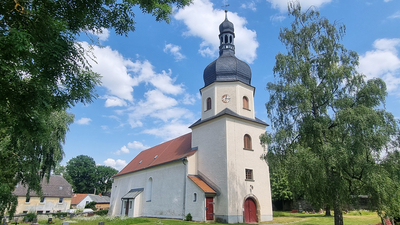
<point>184,188</point>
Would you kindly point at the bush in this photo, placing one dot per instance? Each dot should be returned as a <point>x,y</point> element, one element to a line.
<point>189,217</point>
<point>91,205</point>
<point>102,212</point>
<point>59,214</point>
<point>30,216</point>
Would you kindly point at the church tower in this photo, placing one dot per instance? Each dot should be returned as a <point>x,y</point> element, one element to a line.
<point>227,139</point>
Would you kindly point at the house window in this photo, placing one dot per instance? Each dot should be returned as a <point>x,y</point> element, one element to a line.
<point>42,199</point>
<point>208,103</point>
<point>24,212</point>
<point>249,174</point>
<point>245,102</point>
<point>130,204</point>
<point>195,197</point>
<point>28,199</point>
<point>60,200</point>
<point>247,141</point>
<point>39,212</point>
<point>149,189</point>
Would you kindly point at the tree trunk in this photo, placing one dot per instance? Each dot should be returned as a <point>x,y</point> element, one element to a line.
<point>337,210</point>
<point>328,210</point>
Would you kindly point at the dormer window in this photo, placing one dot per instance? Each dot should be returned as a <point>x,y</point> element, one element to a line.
<point>140,161</point>
<point>155,156</point>
<point>208,104</point>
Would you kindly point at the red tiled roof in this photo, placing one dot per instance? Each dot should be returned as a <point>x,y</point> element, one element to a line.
<point>202,185</point>
<point>76,198</point>
<point>169,151</point>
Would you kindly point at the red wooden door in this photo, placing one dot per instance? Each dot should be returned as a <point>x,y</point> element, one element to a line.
<point>250,211</point>
<point>209,208</point>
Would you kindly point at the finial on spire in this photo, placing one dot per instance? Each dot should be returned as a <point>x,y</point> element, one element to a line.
<point>226,10</point>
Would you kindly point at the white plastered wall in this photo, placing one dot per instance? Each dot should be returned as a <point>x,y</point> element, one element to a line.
<point>210,138</point>
<point>167,191</point>
<point>236,90</point>
<point>240,159</point>
<point>197,208</point>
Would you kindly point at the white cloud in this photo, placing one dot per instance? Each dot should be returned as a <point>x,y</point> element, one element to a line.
<point>113,68</point>
<point>144,73</point>
<point>123,150</point>
<point>202,21</point>
<point>103,34</point>
<point>118,164</point>
<point>189,99</point>
<point>249,5</point>
<point>277,18</point>
<point>114,101</point>
<point>282,5</point>
<point>83,121</point>
<point>383,62</point>
<point>395,15</point>
<point>159,106</point>
<point>174,50</point>
<point>169,131</point>
<point>137,145</point>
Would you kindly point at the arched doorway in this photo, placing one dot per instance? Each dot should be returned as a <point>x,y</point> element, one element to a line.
<point>250,211</point>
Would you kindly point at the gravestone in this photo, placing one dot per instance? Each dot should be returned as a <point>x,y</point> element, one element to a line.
<point>101,223</point>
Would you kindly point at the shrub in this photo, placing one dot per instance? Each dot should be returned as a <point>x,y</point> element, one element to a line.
<point>102,212</point>
<point>91,205</point>
<point>30,216</point>
<point>59,214</point>
<point>189,217</point>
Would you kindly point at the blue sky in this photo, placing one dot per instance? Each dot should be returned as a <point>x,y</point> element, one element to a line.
<point>151,79</point>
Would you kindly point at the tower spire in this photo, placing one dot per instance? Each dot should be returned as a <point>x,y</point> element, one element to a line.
<point>226,36</point>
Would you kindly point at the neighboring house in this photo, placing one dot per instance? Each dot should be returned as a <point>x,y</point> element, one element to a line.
<point>76,198</point>
<point>56,197</point>
<point>215,172</point>
<point>102,202</point>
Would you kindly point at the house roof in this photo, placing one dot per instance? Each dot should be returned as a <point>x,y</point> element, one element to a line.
<point>202,185</point>
<point>57,187</point>
<point>173,150</point>
<point>229,112</point>
<point>76,198</point>
<point>99,199</point>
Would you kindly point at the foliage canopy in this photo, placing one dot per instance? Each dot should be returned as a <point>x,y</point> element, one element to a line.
<point>329,123</point>
<point>86,177</point>
<point>44,71</point>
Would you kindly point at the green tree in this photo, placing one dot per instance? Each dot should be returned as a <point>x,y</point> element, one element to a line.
<point>35,156</point>
<point>43,72</point>
<point>329,124</point>
<point>104,178</point>
<point>82,170</point>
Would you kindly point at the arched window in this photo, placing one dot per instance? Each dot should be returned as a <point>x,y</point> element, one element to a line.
<point>208,103</point>
<point>245,102</point>
<point>221,40</point>
<point>226,39</point>
<point>194,197</point>
<point>230,39</point>
<point>247,141</point>
<point>149,189</point>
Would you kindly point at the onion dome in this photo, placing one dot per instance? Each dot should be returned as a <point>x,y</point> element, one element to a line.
<point>227,67</point>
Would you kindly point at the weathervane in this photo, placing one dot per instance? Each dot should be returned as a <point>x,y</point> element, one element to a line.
<point>226,9</point>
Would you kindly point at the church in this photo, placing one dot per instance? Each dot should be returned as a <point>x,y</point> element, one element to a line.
<point>215,172</point>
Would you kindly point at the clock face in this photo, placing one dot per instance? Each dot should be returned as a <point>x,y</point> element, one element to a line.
<point>226,98</point>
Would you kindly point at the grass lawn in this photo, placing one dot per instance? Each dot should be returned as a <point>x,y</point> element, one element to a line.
<point>353,218</point>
